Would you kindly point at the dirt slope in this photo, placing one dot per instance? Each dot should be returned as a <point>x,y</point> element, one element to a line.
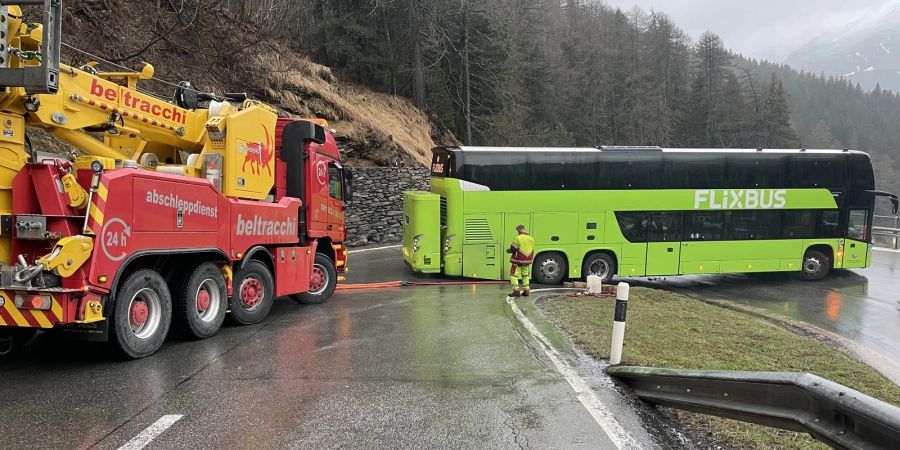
<point>218,51</point>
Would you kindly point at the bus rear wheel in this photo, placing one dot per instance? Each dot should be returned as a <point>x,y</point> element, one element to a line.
<point>816,265</point>
<point>550,268</point>
<point>601,264</point>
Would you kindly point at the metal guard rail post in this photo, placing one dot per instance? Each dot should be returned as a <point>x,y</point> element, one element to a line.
<point>892,231</point>
<point>832,413</point>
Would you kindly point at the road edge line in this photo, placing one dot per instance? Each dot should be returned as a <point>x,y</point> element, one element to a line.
<point>151,432</point>
<point>589,400</point>
<point>386,247</point>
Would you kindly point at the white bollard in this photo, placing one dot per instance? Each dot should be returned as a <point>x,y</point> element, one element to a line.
<point>594,284</point>
<point>618,332</point>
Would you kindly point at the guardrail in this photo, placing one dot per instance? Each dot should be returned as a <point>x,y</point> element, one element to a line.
<point>834,414</point>
<point>886,232</point>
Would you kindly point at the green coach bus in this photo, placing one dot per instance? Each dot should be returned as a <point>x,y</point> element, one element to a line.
<point>642,211</point>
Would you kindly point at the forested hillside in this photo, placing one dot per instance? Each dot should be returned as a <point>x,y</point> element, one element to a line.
<point>577,72</point>
<point>219,49</point>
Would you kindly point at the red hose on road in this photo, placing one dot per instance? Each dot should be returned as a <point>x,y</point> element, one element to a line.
<point>397,284</point>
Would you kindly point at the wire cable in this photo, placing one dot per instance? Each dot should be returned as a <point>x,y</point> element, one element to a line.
<point>105,61</point>
<point>399,284</point>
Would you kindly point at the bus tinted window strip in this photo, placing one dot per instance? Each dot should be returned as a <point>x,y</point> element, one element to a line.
<point>666,226</point>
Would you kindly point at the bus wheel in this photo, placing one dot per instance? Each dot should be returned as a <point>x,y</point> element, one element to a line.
<point>816,265</point>
<point>550,268</point>
<point>202,302</point>
<point>600,264</point>
<point>322,282</point>
<point>254,293</point>
<point>142,314</point>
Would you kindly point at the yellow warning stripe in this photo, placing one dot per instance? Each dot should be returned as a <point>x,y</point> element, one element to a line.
<point>97,215</point>
<point>2,322</point>
<point>102,191</point>
<point>56,309</point>
<point>16,315</point>
<point>41,319</point>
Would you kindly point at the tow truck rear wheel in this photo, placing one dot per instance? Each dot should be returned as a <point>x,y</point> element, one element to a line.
<point>254,293</point>
<point>12,339</point>
<point>202,302</point>
<point>142,314</point>
<point>322,283</point>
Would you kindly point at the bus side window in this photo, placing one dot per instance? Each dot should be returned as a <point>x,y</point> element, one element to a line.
<point>633,226</point>
<point>705,226</point>
<point>799,224</point>
<point>828,224</point>
<point>859,225</point>
<point>664,227</point>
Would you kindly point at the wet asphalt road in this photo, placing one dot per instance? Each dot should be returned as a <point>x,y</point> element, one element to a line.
<point>862,306</point>
<point>445,366</point>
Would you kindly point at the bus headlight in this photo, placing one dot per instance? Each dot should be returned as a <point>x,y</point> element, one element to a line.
<point>415,244</point>
<point>447,242</point>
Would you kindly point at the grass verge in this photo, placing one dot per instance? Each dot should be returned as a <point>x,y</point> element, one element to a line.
<point>670,330</point>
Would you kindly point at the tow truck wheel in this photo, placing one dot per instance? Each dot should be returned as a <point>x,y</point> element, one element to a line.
<point>202,302</point>
<point>322,282</point>
<point>13,339</point>
<point>254,293</point>
<point>142,314</point>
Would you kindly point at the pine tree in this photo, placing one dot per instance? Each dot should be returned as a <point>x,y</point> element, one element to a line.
<point>777,131</point>
<point>821,137</point>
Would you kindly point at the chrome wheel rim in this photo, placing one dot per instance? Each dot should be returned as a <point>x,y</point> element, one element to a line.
<point>319,280</point>
<point>213,300</point>
<point>812,265</point>
<point>599,267</point>
<point>550,268</point>
<point>144,313</point>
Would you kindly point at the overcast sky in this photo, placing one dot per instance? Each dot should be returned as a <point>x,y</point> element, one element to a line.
<point>769,29</point>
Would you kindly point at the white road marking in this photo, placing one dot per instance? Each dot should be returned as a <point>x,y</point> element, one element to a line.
<point>890,250</point>
<point>375,248</point>
<point>603,416</point>
<point>150,433</point>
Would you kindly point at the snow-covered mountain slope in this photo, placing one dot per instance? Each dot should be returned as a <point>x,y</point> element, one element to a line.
<point>867,51</point>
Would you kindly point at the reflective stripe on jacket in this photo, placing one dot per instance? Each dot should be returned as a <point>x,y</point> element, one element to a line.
<point>522,250</point>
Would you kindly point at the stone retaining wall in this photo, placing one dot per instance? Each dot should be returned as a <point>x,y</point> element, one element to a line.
<point>376,213</point>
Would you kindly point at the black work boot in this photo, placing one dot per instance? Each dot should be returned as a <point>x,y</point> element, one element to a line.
<point>515,294</point>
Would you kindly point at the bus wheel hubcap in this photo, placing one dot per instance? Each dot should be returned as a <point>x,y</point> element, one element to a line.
<point>550,268</point>
<point>599,268</point>
<point>813,265</point>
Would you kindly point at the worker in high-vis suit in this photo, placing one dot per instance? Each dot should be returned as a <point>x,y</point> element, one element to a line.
<point>521,256</point>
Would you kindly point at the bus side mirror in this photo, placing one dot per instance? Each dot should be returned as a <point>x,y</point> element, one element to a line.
<point>348,185</point>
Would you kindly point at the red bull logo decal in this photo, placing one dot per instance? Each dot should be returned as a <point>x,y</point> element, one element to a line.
<point>257,155</point>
